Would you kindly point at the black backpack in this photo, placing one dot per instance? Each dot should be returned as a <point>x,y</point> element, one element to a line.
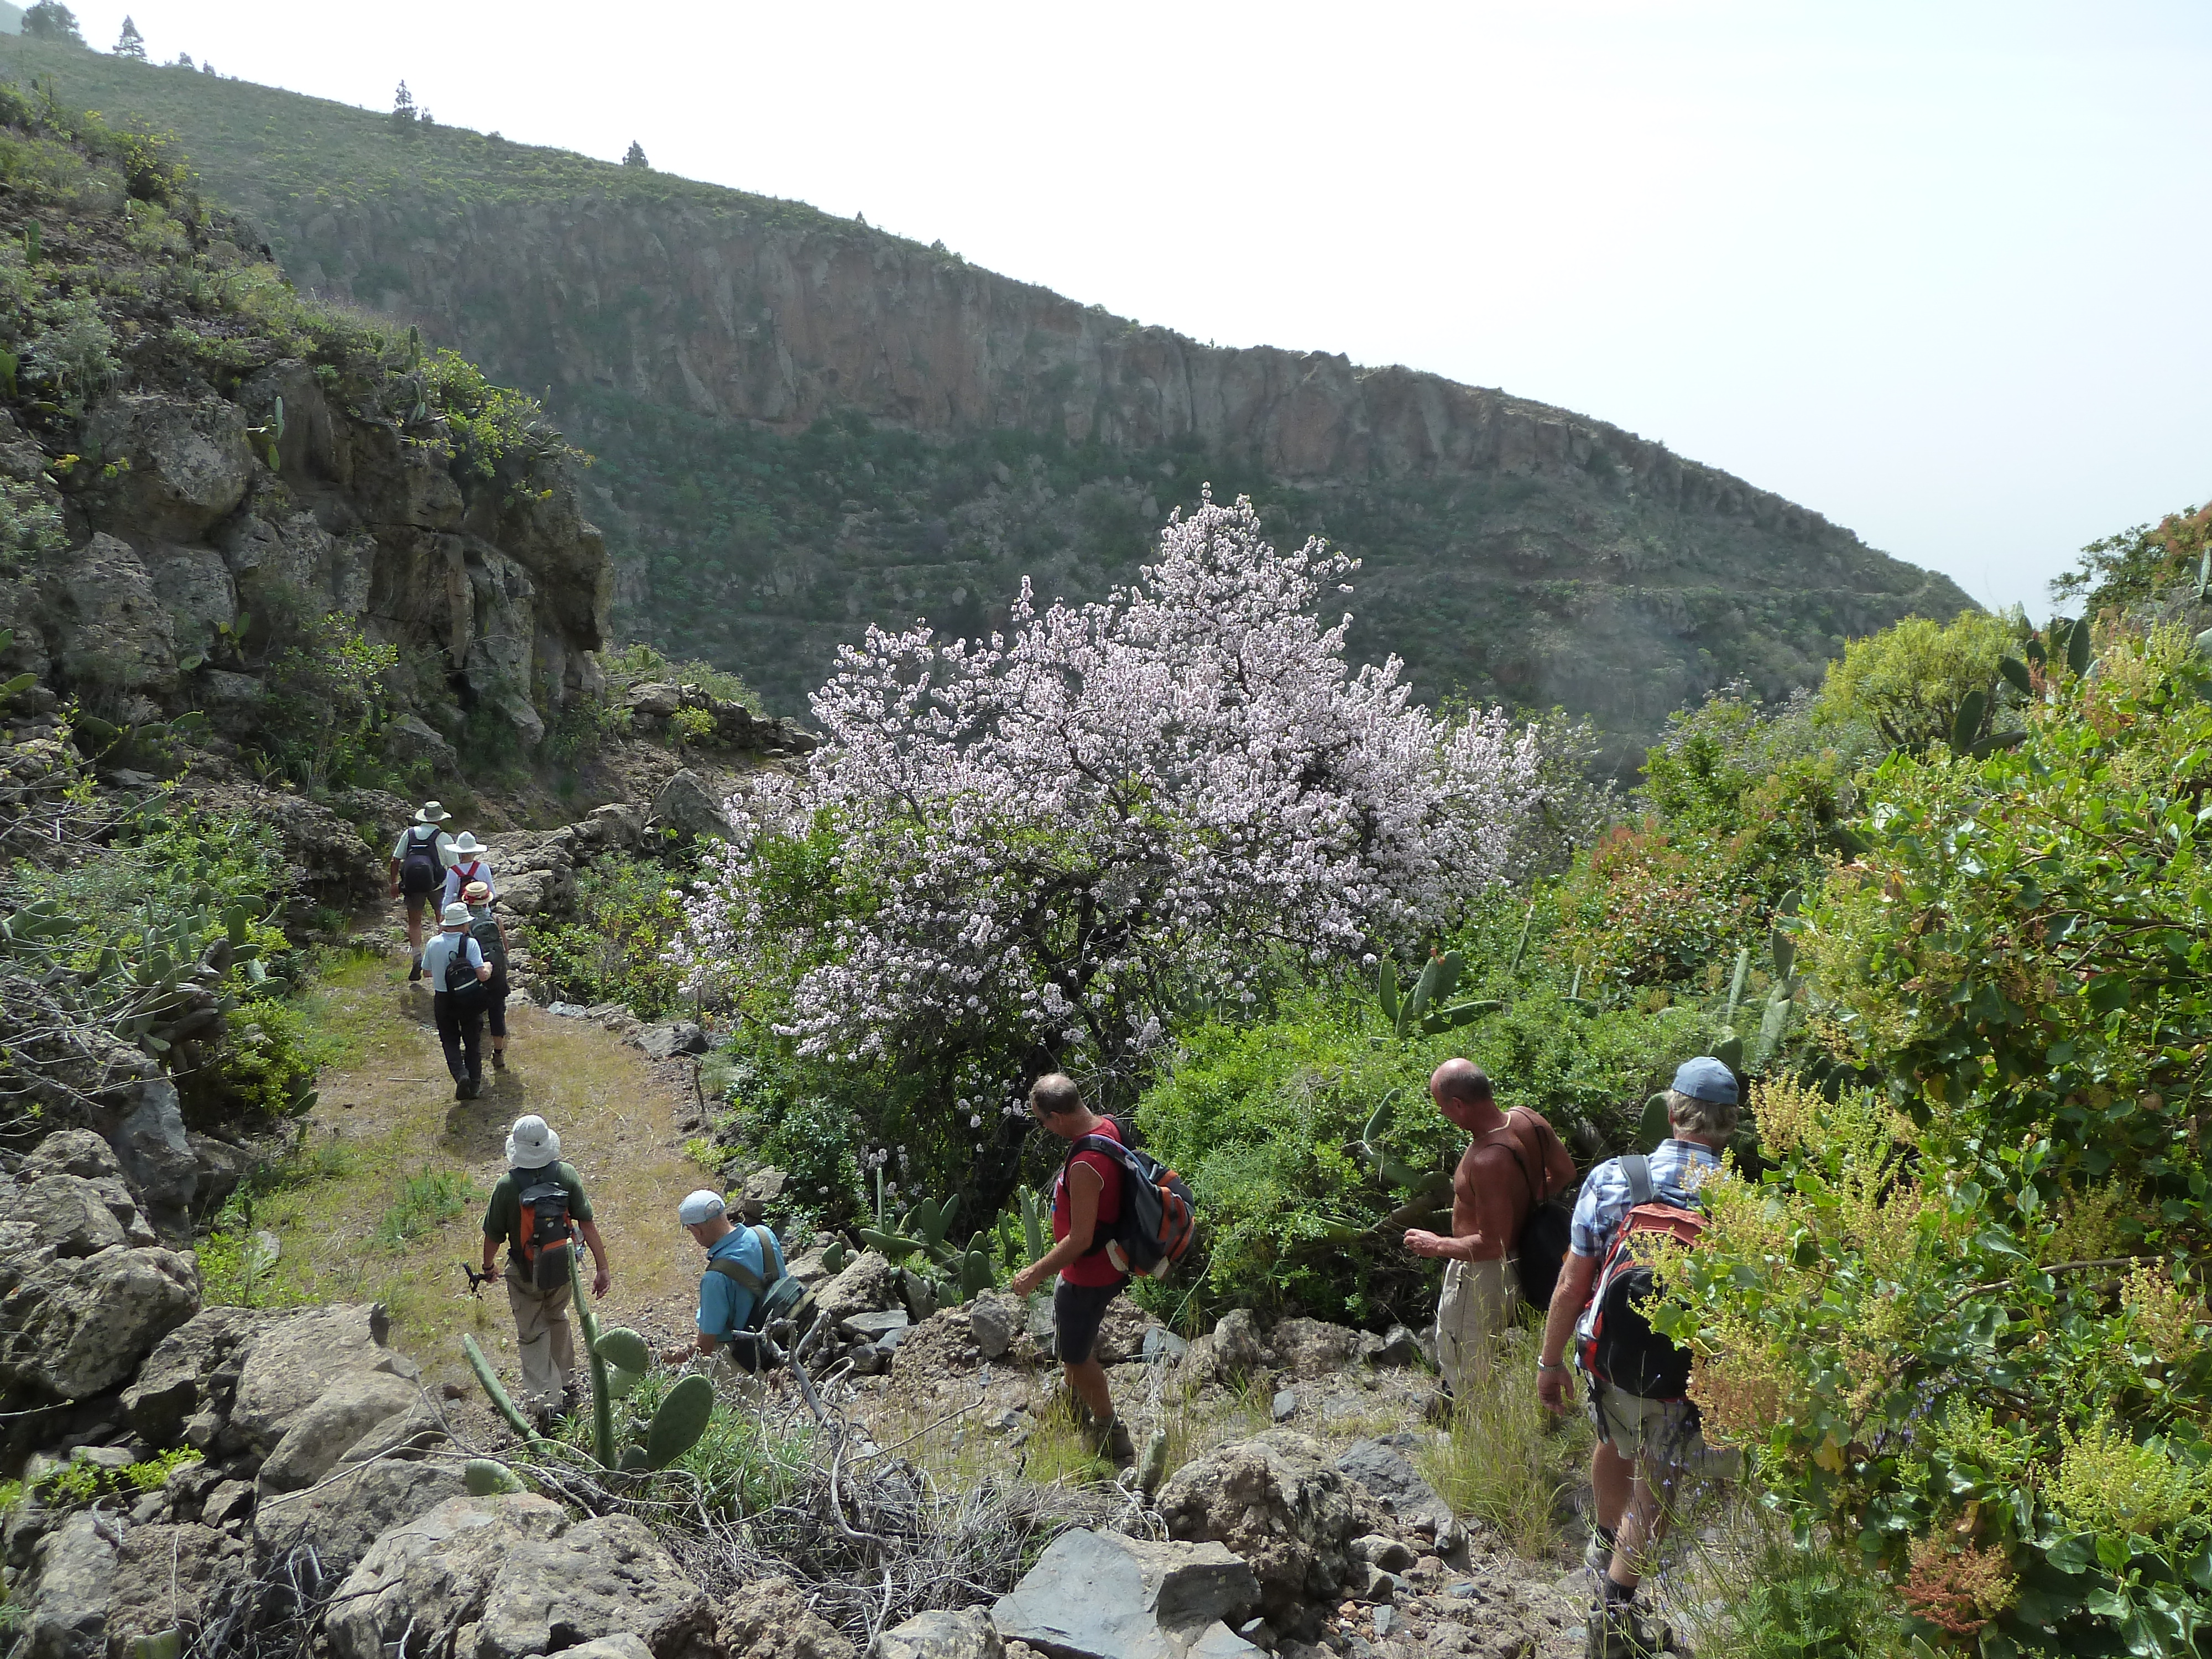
<point>486,934</point>
<point>421,872</point>
<point>460,981</point>
<point>1614,1340</point>
<point>1546,1234</point>
<point>775,1299</point>
<point>544,1229</point>
<point>1156,1223</point>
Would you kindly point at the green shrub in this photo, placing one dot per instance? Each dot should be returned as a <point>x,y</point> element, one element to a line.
<point>423,1204</point>
<point>266,1069</point>
<point>1261,1119</point>
<point>628,912</point>
<point>330,691</point>
<point>1794,1601</point>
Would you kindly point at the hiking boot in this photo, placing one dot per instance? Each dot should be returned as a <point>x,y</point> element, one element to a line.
<point>498,1059</point>
<point>1110,1440</point>
<point>1617,1630</point>
<point>415,973</point>
<point>476,1086</point>
<point>1597,1554</point>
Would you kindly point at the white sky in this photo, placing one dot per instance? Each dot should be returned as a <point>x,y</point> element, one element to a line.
<point>1938,269</point>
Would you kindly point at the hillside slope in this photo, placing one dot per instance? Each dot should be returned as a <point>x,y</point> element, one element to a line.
<point>803,424</point>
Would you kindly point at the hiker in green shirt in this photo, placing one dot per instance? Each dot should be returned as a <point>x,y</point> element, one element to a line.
<point>539,1189</point>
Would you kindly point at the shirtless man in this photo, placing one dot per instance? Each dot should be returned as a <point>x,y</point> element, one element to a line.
<point>1509,1159</point>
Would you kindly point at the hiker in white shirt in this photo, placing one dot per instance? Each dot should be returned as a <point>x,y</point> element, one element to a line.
<point>419,861</point>
<point>467,865</point>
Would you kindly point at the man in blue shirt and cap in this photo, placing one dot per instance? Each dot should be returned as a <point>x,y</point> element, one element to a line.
<point>1644,1446</point>
<point>742,1262</point>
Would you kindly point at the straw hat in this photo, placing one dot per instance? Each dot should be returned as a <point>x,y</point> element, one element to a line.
<point>431,812</point>
<point>476,892</point>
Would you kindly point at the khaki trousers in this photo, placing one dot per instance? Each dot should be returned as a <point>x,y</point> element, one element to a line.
<point>542,1334</point>
<point>1475,1309</point>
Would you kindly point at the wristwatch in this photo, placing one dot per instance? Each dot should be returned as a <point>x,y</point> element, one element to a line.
<point>1541,1367</point>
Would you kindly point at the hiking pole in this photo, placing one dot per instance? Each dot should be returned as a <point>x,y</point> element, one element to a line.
<point>476,1280</point>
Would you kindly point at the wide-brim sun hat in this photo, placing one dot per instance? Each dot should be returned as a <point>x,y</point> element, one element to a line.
<point>431,812</point>
<point>454,915</point>
<point>466,844</point>
<point>531,1144</point>
<point>699,1206</point>
<point>1707,1079</point>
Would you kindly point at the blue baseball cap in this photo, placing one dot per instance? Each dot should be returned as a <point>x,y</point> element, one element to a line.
<point>1706,1078</point>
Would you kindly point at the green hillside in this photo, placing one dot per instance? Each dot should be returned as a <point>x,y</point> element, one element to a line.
<point>758,543</point>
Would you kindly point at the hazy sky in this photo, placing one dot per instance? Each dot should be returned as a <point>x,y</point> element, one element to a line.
<point>1939,271</point>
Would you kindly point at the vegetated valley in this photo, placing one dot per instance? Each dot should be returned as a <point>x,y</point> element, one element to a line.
<point>274,571</point>
<point>802,425</point>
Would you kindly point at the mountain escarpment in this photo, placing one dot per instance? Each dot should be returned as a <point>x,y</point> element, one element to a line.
<point>803,425</point>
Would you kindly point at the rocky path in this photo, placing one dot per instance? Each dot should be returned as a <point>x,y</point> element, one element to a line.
<point>402,1169</point>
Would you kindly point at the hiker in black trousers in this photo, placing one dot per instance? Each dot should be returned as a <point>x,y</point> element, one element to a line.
<point>454,964</point>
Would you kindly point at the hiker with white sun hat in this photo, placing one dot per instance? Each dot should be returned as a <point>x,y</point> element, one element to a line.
<point>468,865</point>
<point>538,1208</point>
<point>419,862</point>
<point>461,982</point>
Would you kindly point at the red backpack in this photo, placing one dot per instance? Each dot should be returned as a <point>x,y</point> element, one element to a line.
<point>1614,1340</point>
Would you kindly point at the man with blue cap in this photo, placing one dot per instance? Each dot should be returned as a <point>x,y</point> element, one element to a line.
<point>742,1262</point>
<point>1644,1445</point>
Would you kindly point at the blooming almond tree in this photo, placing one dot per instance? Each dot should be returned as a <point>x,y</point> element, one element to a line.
<point>1042,843</point>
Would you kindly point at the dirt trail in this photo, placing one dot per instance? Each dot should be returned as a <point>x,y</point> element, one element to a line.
<point>386,1121</point>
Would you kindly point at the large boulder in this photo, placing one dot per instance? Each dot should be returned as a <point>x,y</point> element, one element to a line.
<point>188,462</point>
<point>69,1216</point>
<point>291,1362</point>
<point>1381,1465</point>
<point>166,1577</point>
<point>115,633</point>
<point>688,809</point>
<point>1276,1501</point>
<point>340,1519</point>
<point>64,1609</point>
<point>527,1579</point>
<point>354,1404</point>
<point>74,1326</point>
<point>774,1618</point>
<point>939,1634</point>
<point>1312,1347</point>
<point>603,1577</point>
<point>194,1369</point>
<point>1098,1596</point>
<point>869,1284</point>
<point>147,1131</point>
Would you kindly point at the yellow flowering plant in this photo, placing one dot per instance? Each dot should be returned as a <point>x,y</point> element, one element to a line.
<point>1960,1320</point>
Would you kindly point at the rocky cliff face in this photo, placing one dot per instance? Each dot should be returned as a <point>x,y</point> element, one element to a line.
<point>804,425</point>
<point>199,470</point>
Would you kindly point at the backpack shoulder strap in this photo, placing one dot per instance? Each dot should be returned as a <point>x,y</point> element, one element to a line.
<point>1637,1169</point>
<point>1118,1150</point>
<point>1509,1137</point>
<point>771,1253</point>
<point>745,1277</point>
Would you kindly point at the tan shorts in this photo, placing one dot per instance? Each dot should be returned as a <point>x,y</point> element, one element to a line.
<point>1662,1434</point>
<point>1474,1310</point>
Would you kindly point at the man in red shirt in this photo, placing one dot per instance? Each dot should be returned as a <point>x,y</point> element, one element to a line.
<point>1086,1202</point>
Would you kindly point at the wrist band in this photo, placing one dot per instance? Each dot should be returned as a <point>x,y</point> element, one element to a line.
<point>1543,1366</point>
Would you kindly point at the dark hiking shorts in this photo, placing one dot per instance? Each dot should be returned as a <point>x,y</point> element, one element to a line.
<point>1077,1311</point>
